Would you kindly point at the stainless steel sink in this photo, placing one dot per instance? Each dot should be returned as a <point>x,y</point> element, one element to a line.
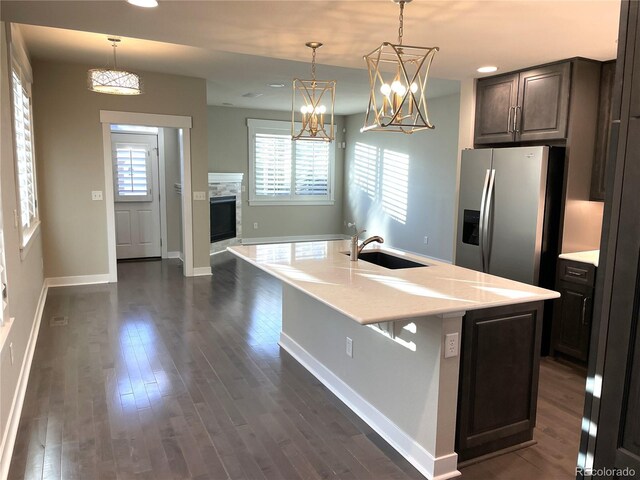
<point>385,260</point>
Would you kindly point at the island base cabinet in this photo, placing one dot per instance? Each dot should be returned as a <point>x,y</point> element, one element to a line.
<point>498,378</point>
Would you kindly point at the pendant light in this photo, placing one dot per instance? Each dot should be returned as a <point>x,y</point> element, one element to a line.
<point>112,80</point>
<point>312,105</point>
<point>398,79</point>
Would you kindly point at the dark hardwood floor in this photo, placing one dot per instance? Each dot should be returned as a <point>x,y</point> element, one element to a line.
<point>162,377</point>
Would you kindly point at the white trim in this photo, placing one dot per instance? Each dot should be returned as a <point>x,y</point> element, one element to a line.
<point>77,280</point>
<point>29,240</point>
<point>297,238</point>
<point>201,271</point>
<point>174,255</point>
<point>223,177</point>
<point>211,254</point>
<point>169,121</point>
<point>439,468</point>
<point>149,119</point>
<point>109,203</point>
<point>13,420</point>
<point>187,206</point>
<point>271,203</point>
<point>163,194</point>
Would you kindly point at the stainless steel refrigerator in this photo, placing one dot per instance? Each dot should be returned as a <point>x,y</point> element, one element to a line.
<point>508,212</point>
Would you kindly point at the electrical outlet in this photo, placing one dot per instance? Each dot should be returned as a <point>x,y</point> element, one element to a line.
<point>451,345</point>
<point>96,195</point>
<point>11,352</point>
<point>255,225</point>
<point>426,240</point>
<point>199,195</point>
<point>349,347</point>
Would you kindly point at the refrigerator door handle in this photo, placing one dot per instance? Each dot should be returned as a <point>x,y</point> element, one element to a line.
<point>481,222</point>
<point>487,224</point>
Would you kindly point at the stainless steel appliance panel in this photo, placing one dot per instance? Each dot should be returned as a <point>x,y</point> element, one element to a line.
<point>474,169</point>
<point>516,213</point>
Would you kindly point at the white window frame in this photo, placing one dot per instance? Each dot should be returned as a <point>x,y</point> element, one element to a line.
<point>27,235</point>
<point>279,127</point>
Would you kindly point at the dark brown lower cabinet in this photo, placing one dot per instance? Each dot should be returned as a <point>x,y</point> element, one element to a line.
<point>573,311</point>
<point>498,388</point>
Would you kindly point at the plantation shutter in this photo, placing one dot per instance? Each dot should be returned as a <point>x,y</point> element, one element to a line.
<point>272,165</point>
<point>24,154</point>
<point>312,168</point>
<point>132,173</point>
<point>3,277</point>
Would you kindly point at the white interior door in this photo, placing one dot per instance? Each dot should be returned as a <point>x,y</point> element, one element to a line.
<point>136,195</point>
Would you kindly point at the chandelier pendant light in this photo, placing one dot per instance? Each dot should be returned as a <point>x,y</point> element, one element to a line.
<point>312,105</point>
<point>398,79</point>
<point>113,80</point>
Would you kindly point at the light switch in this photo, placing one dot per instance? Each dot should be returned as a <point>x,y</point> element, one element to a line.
<point>199,195</point>
<point>96,195</point>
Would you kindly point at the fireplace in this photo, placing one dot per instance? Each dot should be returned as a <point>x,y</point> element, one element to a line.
<point>222,217</point>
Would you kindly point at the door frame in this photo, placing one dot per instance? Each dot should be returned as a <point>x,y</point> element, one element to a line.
<point>184,125</point>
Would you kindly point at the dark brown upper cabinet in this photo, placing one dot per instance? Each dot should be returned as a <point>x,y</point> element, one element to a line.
<point>603,132</point>
<point>527,106</point>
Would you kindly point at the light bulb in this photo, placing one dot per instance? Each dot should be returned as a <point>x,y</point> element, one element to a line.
<point>303,109</point>
<point>385,89</point>
<point>396,86</point>
<point>401,90</point>
<point>322,109</point>
<point>414,87</point>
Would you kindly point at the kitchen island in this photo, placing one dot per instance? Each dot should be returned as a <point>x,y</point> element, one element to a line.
<point>386,342</point>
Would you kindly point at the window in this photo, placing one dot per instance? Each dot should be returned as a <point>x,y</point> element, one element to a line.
<point>284,172</point>
<point>25,165</point>
<point>3,276</point>
<point>132,173</point>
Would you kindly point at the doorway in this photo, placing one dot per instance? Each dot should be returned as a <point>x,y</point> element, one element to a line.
<point>183,127</point>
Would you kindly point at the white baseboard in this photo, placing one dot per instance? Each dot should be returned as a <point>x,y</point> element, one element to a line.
<point>174,255</point>
<point>298,238</point>
<point>201,271</point>
<point>77,280</point>
<point>11,430</point>
<point>439,468</point>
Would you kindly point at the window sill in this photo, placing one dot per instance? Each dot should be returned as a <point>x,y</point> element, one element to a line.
<point>28,239</point>
<point>271,203</point>
<point>4,332</point>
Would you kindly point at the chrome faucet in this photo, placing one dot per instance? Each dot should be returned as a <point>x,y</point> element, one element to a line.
<point>356,249</point>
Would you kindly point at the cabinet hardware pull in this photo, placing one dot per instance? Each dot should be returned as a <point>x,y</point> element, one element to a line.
<point>584,310</point>
<point>515,119</point>
<point>509,122</point>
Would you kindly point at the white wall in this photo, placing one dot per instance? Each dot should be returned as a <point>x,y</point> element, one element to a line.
<point>406,202</point>
<point>228,152</point>
<point>173,199</point>
<point>24,276</point>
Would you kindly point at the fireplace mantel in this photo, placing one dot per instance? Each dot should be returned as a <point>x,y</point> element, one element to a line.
<point>224,177</point>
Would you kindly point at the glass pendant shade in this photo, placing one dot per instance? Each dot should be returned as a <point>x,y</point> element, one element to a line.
<point>312,106</point>
<point>398,81</point>
<point>113,80</point>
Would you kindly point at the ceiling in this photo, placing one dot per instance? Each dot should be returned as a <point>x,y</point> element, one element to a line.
<point>242,46</point>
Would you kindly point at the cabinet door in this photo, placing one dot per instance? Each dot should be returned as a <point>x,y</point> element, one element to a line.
<point>495,98</point>
<point>498,390</point>
<point>572,320</point>
<point>603,130</point>
<point>543,103</point>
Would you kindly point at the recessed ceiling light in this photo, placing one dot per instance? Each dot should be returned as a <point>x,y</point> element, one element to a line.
<point>276,85</point>
<point>487,69</point>
<point>227,104</point>
<point>252,95</point>
<point>143,3</point>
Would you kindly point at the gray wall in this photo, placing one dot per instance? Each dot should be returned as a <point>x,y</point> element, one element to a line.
<point>173,199</point>
<point>407,189</point>
<point>228,152</point>
<point>24,276</point>
<point>69,154</point>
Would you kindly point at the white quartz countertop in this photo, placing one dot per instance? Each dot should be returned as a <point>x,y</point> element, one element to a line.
<point>368,293</point>
<point>590,256</point>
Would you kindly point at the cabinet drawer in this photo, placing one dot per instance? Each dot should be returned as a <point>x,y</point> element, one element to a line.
<point>576,272</point>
